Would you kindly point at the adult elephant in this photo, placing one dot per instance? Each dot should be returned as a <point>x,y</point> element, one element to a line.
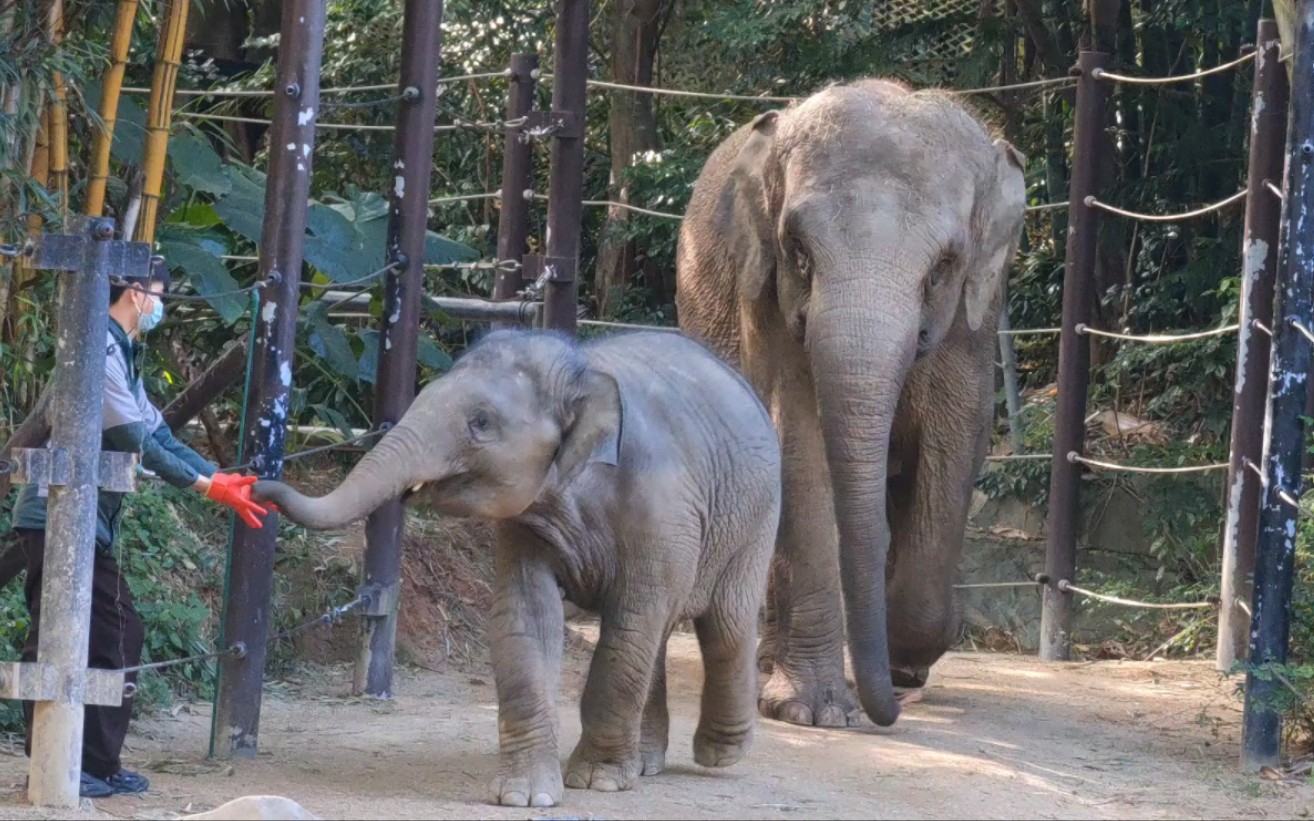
<point>849,254</point>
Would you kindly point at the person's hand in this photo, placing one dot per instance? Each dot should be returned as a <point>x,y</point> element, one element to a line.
<point>234,491</point>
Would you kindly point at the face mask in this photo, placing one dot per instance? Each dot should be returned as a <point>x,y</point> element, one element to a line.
<point>147,321</point>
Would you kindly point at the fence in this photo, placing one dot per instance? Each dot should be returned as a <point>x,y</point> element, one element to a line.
<point>543,290</point>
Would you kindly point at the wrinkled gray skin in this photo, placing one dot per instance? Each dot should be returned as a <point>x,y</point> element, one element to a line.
<point>849,255</point>
<point>638,474</point>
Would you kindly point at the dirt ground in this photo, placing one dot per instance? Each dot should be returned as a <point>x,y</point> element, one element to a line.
<point>996,736</point>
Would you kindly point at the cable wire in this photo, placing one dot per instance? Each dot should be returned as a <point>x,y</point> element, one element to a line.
<point>1091,202</point>
<point>301,454</point>
<point>1101,74</point>
<point>1066,586</point>
<point>1159,339</point>
<point>1095,463</point>
<point>598,323</point>
<point>236,93</point>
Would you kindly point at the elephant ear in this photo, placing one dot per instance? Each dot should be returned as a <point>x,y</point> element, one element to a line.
<point>1000,210</point>
<point>594,426</point>
<point>751,233</point>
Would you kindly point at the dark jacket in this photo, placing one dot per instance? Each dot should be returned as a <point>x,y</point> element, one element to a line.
<point>133,425</point>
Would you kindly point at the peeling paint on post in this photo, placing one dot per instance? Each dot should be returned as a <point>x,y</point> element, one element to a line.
<point>1261,734</point>
<point>235,726</point>
<point>403,289</point>
<point>1268,130</point>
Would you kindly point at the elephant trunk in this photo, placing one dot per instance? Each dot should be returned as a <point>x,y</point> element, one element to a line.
<point>859,368</point>
<point>382,474</point>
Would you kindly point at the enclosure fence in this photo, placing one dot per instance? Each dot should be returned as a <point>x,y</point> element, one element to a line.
<point>541,289</point>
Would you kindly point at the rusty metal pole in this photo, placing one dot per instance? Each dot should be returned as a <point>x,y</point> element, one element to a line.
<point>400,325</point>
<point>1259,245</point>
<point>560,265</point>
<point>1074,357</point>
<point>78,392</point>
<point>517,171</point>
<point>1270,629</point>
<point>235,726</point>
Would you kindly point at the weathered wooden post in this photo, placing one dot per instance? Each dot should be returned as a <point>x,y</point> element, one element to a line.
<point>1259,252</point>
<point>235,726</point>
<point>1261,733</point>
<point>559,266</point>
<point>1074,357</point>
<point>74,469</point>
<point>517,171</point>
<point>403,287</point>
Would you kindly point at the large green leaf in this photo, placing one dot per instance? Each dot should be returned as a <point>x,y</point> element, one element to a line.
<point>196,165</point>
<point>432,356</point>
<point>205,271</point>
<point>368,364</point>
<point>129,129</point>
<point>329,342</point>
<point>335,247</point>
<point>242,213</point>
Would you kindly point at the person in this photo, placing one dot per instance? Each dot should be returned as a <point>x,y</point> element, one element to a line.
<point>131,424</point>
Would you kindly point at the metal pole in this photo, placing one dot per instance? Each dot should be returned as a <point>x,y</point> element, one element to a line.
<point>1268,131</point>
<point>1261,728</point>
<point>517,170</point>
<point>566,179</point>
<point>399,328</point>
<point>1074,357</point>
<point>235,726</point>
<point>78,392</point>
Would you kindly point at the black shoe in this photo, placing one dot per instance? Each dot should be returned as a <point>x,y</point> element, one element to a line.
<point>126,782</point>
<point>93,787</point>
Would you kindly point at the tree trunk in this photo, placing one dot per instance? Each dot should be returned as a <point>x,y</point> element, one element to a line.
<point>636,31</point>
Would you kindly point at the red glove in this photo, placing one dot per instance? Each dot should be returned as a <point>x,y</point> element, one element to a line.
<point>235,491</point>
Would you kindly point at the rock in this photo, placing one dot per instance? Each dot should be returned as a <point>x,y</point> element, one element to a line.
<point>258,808</point>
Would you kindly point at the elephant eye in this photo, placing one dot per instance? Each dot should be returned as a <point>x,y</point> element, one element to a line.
<point>481,424</point>
<point>801,258</point>
<point>940,271</point>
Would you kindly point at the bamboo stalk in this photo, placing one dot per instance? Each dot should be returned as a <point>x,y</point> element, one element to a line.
<point>110,90</point>
<point>160,117</point>
<point>58,122</point>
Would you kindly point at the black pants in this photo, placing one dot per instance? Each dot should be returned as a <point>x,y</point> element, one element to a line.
<point>117,636</point>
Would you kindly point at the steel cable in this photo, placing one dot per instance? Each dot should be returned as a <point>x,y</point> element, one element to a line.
<point>1091,202</point>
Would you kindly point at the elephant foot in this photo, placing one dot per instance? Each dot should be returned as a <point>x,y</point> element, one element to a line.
<point>653,759</point>
<point>536,785</point>
<point>812,701</point>
<point>909,678</point>
<point>590,769</point>
<point>713,749</point>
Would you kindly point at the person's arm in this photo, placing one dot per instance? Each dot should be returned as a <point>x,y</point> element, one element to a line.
<point>183,467</point>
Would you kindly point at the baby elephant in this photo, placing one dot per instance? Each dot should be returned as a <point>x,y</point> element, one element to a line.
<point>638,474</point>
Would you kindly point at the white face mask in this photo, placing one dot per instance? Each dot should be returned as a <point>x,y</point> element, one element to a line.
<point>145,321</point>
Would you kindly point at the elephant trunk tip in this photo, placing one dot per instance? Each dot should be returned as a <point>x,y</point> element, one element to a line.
<point>875,688</point>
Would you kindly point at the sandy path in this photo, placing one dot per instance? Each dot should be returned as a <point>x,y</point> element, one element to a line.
<point>996,737</point>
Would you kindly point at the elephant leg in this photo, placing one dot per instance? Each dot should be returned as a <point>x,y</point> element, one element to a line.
<point>807,684</point>
<point>727,639</point>
<point>526,629</point>
<point>941,449</point>
<point>654,734</point>
<point>608,757</point>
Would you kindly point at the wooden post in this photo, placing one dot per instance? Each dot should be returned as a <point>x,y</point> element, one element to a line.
<point>517,170</point>
<point>1074,358</point>
<point>1261,728</point>
<point>1259,246</point>
<point>78,393</point>
<point>560,265</point>
<point>235,726</point>
<point>403,289</point>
